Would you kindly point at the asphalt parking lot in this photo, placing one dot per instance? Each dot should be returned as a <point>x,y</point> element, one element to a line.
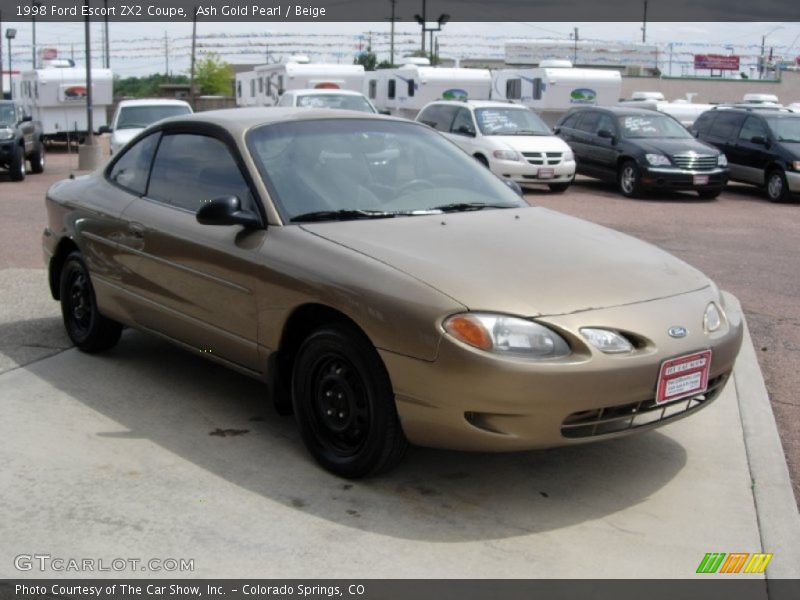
<point>151,452</point>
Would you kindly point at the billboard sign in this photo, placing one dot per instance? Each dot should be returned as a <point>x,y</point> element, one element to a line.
<point>716,62</point>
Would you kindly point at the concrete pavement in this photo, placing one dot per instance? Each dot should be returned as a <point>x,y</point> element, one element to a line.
<point>149,452</point>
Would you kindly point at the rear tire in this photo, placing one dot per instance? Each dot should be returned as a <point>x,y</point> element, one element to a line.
<point>777,188</point>
<point>344,404</point>
<point>629,180</point>
<point>86,327</point>
<point>37,159</point>
<point>558,188</point>
<point>17,165</point>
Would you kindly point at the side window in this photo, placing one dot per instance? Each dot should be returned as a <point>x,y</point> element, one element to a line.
<point>463,123</point>
<point>252,87</point>
<point>514,89</point>
<point>537,89</point>
<point>605,122</point>
<point>280,84</point>
<point>130,171</point>
<point>571,120</point>
<point>191,169</point>
<point>391,92</point>
<point>726,125</point>
<point>430,116</point>
<point>269,86</point>
<point>588,122</point>
<point>373,88</point>
<point>238,89</point>
<point>410,88</point>
<point>752,127</point>
<point>260,84</point>
<point>703,122</point>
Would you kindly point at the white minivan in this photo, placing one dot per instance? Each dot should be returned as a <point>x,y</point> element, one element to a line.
<point>134,115</point>
<point>509,139</point>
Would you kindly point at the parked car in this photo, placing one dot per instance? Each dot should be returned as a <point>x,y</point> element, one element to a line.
<point>509,139</point>
<point>327,98</point>
<point>762,146</point>
<point>641,150</point>
<point>387,287</point>
<point>20,140</point>
<point>132,116</point>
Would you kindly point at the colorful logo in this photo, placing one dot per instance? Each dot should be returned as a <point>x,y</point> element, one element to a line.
<point>74,93</point>
<point>583,96</point>
<point>735,562</point>
<point>455,94</point>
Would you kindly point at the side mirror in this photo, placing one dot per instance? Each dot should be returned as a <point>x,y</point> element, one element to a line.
<point>226,210</point>
<point>104,129</point>
<point>556,130</point>
<point>464,130</point>
<point>27,119</point>
<point>760,139</point>
<point>514,186</point>
<point>605,133</point>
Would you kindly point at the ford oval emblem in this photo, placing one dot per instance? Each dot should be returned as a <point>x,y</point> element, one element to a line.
<point>677,332</point>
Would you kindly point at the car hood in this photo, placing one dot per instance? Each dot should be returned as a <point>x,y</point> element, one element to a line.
<point>121,137</point>
<point>672,147</point>
<point>526,261</point>
<point>531,143</point>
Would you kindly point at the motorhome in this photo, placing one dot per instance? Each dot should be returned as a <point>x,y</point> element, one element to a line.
<point>56,96</point>
<point>268,82</point>
<point>403,91</point>
<point>555,86</point>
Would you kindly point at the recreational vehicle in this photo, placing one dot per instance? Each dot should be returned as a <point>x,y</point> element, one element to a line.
<point>405,90</point>
<point>269,82</point>
<point>683,109</point>
<point>555,86</point>
<point>56,96</point>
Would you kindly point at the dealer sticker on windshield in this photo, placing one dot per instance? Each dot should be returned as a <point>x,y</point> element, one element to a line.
<point>546,173</point>
<point>683,376</point>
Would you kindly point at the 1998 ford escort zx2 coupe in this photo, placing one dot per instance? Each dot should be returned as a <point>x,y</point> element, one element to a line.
<point>385,286</point>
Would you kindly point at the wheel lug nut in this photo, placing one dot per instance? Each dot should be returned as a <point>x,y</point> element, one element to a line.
<point>340,396</point>
<point>330,412</point>
<point>328,394</point>
<point>341,415</point>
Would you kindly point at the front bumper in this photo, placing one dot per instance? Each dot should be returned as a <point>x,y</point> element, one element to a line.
<point>469,400</point>
<point>525,173</point>
<point>683,179</point>
<point>793,181</point>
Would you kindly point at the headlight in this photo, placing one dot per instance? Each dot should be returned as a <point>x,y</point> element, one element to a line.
<point>607,341</point>
<point>796,165</point>
<point>508,336</point>
<point>722,160</point>
<point>506,154</point>
<point>712,320</point>
<point>569,156</point>
<point>657,160</point>
<point>6,134</point>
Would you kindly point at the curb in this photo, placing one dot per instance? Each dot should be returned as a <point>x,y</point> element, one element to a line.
<point>776,509</point>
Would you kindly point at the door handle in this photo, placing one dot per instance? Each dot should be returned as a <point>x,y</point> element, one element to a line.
<point>136,230</point>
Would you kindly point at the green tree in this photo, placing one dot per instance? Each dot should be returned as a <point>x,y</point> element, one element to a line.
<point>143,87</point>
<point>213,76</point>
<point>367,59</point>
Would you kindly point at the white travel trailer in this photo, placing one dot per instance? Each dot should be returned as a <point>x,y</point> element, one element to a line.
<point>555,86</point>
<point>405,90</point>
<point>56,96</point>
<point>684,110</point>
<point>299,73</point>
<point>246,89</point>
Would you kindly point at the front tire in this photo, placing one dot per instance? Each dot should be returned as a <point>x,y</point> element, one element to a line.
<point>86,327</point>
<point>17,165</point>
<point>344,404</point>
<point>777,188</point>
<point>37,159</point>
<point>630,180</point>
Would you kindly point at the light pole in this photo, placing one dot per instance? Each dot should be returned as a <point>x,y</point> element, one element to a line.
<point>440,22</point>
<point>761,64</point>
<point>35,5</point>
<point>392,19</point>
<point>10,35</point>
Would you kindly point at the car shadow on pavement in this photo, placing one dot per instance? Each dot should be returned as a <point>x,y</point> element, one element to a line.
<point>610,189</point>
<point>220,422</point>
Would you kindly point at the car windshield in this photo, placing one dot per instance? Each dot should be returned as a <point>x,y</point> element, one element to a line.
<point>7,114</point>
<point>652,126</point>
<point>139,117</point>
<point>343,101</point>
<point>785,130</point>
<point>510,121</point>
<point>334,169</point>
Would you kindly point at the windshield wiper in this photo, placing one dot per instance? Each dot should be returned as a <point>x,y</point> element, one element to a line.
<point>342,215</point>
<point>463,206</point>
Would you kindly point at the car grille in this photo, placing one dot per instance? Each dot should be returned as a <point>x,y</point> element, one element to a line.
<point>624,417</point>
<point>695,162</point>
<point>543,158</point>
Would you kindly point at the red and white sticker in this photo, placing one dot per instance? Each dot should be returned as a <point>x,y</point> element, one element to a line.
<point>683,376</point>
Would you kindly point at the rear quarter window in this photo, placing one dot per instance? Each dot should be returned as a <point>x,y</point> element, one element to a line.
<point>726,125</point>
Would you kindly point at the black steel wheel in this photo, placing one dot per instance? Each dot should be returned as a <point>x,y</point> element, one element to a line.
<point>86,327</point>
<point>344,404</point>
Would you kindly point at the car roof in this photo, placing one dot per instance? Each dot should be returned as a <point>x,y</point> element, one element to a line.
<point>772,111</point>
<point>478,104</point>
<point>240,120</point>
<point>324,92</point>
<point>153,102</point>
<point>622,111</point>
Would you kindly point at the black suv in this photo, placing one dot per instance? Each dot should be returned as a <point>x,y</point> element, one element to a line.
<point>20,140</point>
<point>762,146</point>
<point>641,149</point>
